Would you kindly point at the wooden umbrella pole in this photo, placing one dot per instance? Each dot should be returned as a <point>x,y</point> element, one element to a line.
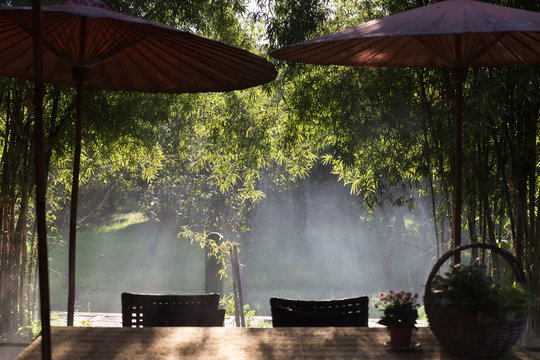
<point>80,76</point>
<point>73,210</point>
<point>239,286</point>
<point>41,183</point>
<point>459,75</point>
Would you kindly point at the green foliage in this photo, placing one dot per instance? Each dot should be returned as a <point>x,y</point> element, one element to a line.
<point>251,322</point>
<point>24,334</point>
<point>469,287</point>
<point>293,21</point>
<point>395,6</point>
<point>363,123</point>
<point>514,300</point>
<point>227,301</point>
<point>400,309</point>
<point>219,151</point>
<point>219,20</point>
<point>218,250</point>
<point>116,150</point>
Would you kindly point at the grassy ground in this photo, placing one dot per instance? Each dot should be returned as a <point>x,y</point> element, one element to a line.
<point>115,257</point>
<point>327,262</point>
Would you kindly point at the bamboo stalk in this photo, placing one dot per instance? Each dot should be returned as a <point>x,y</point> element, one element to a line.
<point>237,288</point>
<point>235,292</point>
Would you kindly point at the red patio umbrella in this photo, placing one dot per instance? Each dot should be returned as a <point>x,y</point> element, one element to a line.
<point>451,33</point>
<point>88,45</point>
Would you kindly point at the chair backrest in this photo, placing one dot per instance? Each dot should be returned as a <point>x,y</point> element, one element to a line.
<point>144,310</point>
<point>342,312</point>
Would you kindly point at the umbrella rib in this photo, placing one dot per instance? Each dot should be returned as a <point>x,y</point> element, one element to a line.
<point>26,49</point>
<point>128,34</point>
<point>142,70</point>
<point>221,51</point>
<point>173,48</point>
<point>58,36</point>
<point>534,51</point>
<point>320,52</point>
<point>57,69</point>
<point>212,64</point>
<point>395,55</point>
<point>349,49</point>
<point>205,57</point>
<point>60,33</point>
<point>179,48</point>
<point>160,69</point>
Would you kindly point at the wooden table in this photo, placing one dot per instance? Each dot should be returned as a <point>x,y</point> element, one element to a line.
<point>235,343</point>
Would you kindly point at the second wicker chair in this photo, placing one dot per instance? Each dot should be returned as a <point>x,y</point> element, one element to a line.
<point>304,313</point>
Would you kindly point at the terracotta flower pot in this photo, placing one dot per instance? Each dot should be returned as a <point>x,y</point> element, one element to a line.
<point>400,337</point>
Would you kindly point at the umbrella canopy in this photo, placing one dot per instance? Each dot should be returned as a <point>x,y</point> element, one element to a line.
<point>108,50</point>
<point>86,44</point>
<point>451,33</point>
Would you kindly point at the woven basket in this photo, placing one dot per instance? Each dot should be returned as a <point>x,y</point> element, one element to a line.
<point>458,331</point>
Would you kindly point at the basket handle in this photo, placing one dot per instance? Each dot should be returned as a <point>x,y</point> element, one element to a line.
<point>515,263</point>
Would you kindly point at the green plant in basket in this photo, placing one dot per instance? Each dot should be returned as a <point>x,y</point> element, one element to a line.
<point>470,288</point>
<point>400,309</point>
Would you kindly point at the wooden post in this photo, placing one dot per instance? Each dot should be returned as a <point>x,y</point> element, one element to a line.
<point>41,182</point>
<point>459,75</point>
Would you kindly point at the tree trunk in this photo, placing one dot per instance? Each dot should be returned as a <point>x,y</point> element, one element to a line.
<point>15,188</point>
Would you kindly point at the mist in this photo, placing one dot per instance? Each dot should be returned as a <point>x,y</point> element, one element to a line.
<point>318,243</point>
<point>315,241</point>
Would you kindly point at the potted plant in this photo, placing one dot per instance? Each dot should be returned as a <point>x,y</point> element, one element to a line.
<point>470,313</point>
<point>400,311</point>
<point>471,289</point>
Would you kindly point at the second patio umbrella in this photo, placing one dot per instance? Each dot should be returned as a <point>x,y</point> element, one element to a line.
<point>88,45</point>
<point>451,33</point>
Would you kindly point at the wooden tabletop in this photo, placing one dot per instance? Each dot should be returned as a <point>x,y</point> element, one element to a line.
<point>235,343</point>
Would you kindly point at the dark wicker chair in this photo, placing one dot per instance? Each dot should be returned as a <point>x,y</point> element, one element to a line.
<point>143,310</point>
<point>339,313</point>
